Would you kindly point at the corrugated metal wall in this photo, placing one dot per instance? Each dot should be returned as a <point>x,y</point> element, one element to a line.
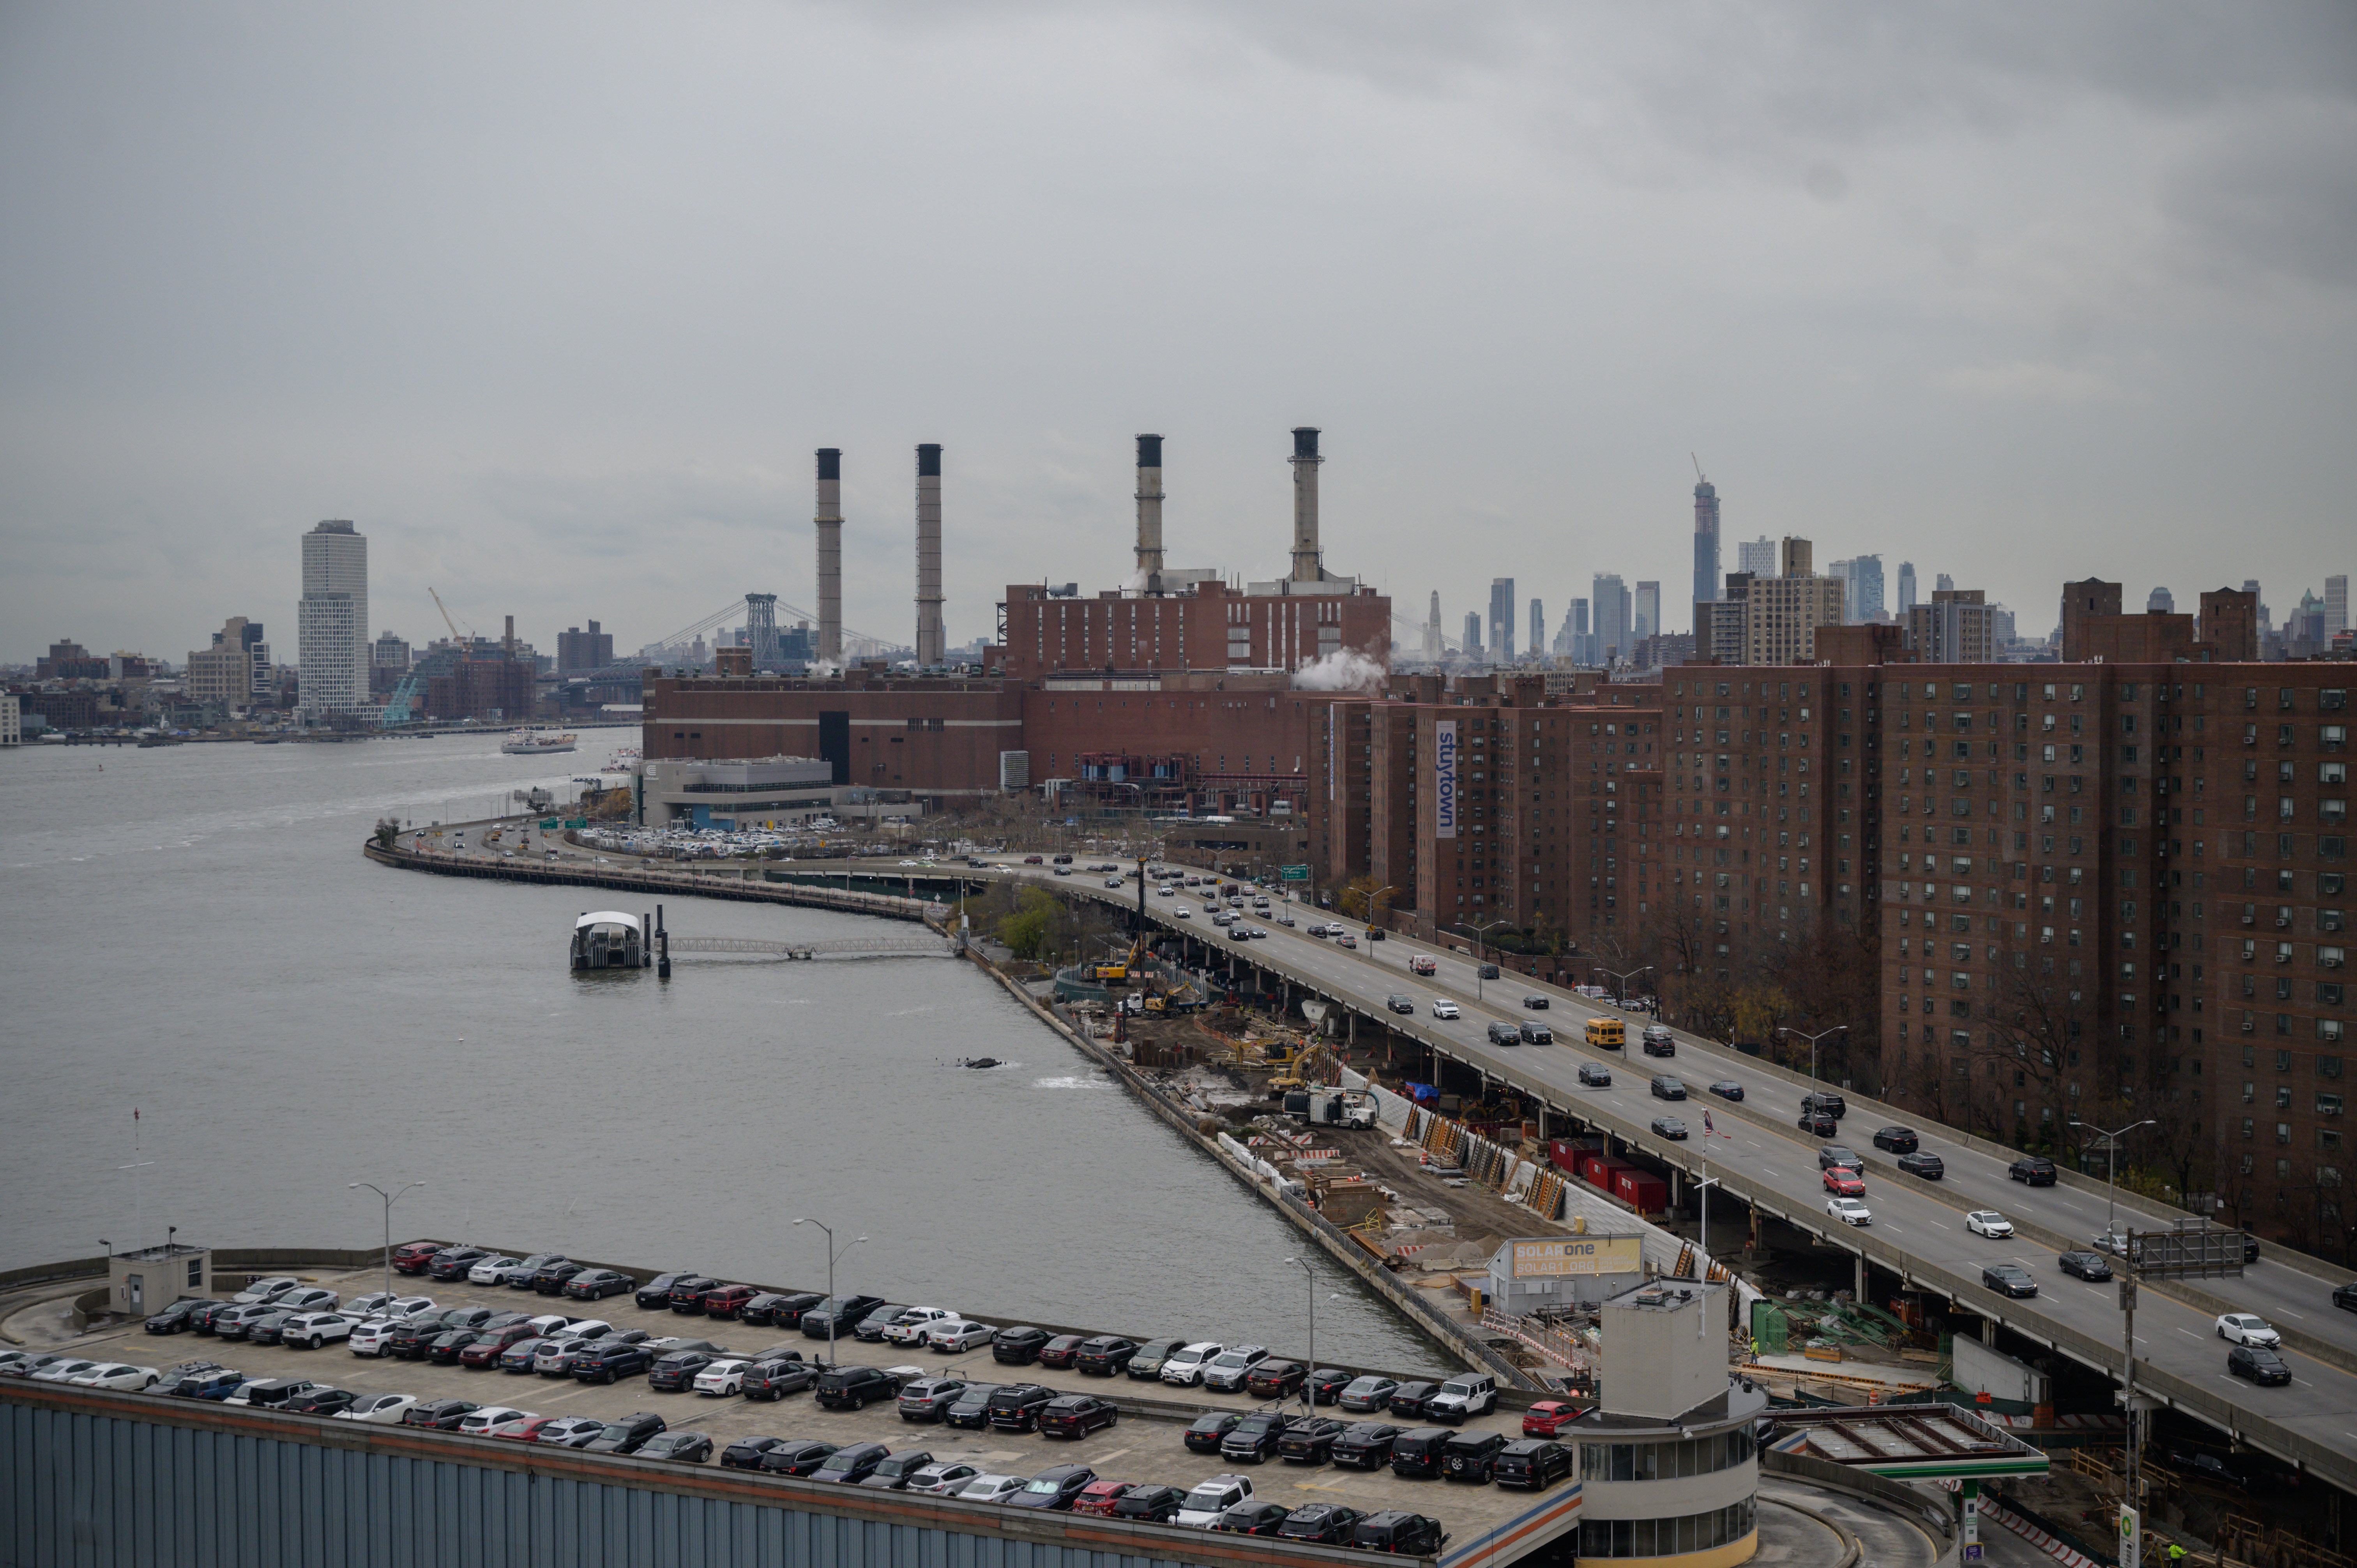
<point>79,1490</point>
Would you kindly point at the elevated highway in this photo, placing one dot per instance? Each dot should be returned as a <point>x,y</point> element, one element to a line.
<point>1918,1233</point>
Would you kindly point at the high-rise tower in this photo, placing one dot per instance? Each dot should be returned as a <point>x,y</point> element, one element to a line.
<point>331,624</point>
<point>1705,560</point>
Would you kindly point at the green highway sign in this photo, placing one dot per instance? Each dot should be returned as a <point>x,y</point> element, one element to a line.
<point>1292,873</point>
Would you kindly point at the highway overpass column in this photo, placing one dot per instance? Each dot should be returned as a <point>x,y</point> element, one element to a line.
<point>1859,1289</point>
<point>1988,1331</point>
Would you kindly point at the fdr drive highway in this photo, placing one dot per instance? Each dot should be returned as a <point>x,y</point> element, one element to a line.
<point>1918,1232</point>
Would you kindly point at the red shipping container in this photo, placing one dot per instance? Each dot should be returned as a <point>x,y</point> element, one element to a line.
<point>1647,1192</point>
<point>1564,1154</point>
<point>1590,1166</point>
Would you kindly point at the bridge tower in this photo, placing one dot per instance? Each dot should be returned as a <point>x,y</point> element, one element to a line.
<point>761,627</point>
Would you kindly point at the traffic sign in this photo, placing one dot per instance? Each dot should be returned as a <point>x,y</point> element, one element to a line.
<point>1292,873</point>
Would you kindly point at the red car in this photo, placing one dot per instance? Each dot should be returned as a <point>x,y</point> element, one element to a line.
<point>1843,1182</point>
<point>1061,1350</point>
<point>488,1344</point>
<point>727,1300</point>
<point>1548,1417</point>
<point>1098,1497</point>
<point>412,1258</point>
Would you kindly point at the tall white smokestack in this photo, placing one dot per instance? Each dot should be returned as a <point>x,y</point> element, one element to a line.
<point>1305,565</point>
<point>928,556</point>
<point>1149,510</point>
<point>830,554</point>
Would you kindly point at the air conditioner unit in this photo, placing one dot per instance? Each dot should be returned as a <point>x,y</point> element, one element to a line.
<point>2249,1028</point>
<point>2333,963</point>
<point>2282,922</point>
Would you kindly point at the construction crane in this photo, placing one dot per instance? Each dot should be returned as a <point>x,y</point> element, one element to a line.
<point>439,604</point>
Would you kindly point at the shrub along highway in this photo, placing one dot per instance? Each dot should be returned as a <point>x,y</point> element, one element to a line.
<point>1918,1232</point>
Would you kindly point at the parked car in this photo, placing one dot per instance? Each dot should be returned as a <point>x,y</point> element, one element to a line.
<point>1061,1350</point>
<point>1409,1397</point>
<point>1308,1439</point>
<point>971,1411</point>
<point>990,1488</point>
<point>2008,1279</point>
<point>1146,1363</point>
<point>851,1463</point>
<point>1098,1497</point>
<point>2084,1266</point>
<point>1185,1365</point>
<point>1075,1416</point>
<point>910,1327</point>
<point>893,1472</point>
<point>309,1330</point>
<point>1419,1452</point>
<point>2248,1329</point>
<point>438,1415</point>
<point>687,1292</point>
<point>378,1410</point>
<point>796,1456</point>
<point>1207,1499</point>
<point>265,1290</point>
<point>585,1284</point>
<point>1369,1392</point>
<point>870,1328</point>
<point>455,1262</point>
<point>725,1300</point>
<point>1471,1456</point>
<point>1364,1446</point>
<point>929,1399</point>
<point>2036,1170</point>
<point>655,1294</point>
<point>1017,1346</point>
<point>1105,1355</point>
<point>953,1335</point>
<point>493,1420</point>
<point>1276,1380</point>
<point>628,1434</point>
<point>679,1447</point>
<point>120,1375</point>
<point>719,1379</point>
<point>181,1315</point>
<point>1054,1487</point>
<point>1325,1384</point>
<point>1548,1417</point>
<point>856,1388</point>
<point>2258,1363</point>
<point>762,1309</point>
<point>554,1276</point>
<point>771,1378</point>
<point>1473,1393</point>
<point>1150,1503</point>
<point>603,1361</point>
<point>414,1257</point>
<point>492,1270</point>
<point>1987,1223</point>
<point>1226,1372</point>
<point>1253,1517</point>
<point>1255,1438</point>
<point>1404,1534</point>
<point>1897,1140</point>
<point>1209,1430</point>
<point>1923,1164</point>
<point>213,1384</point>
<point>1015,1407</point>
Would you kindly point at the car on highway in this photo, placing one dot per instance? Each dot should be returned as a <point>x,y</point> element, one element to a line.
<point>1399,1003</point>
<point>1850,1210</point>
<point>1535,1033</point>
<point>2110,1242</point>
<point>1364,1446</point>
<point>1075,1416</point>
<point>2036,1170</point>
<point>1728,1088</point>
<point>1987,1223</point>
<point>1487,971</point>
<point>1595,1074</point>
<point>1660,1034</point>
<point>2259,1363</point>
<point>1833,1155</point>
<point>2008,1279</point>
<point>2084,1266</point>
<point>1667,1087</point>
<point>2345,1296</point>
<point>1896,1140</point>
<point>1843,1182</point>
<point>2240,1328</point>
<point>1500,1033</point>
<point>1669,1127</point>
<point>1819,1123</point>
<point>1923,1164</point>
<point>1444,1008</point>
<point>1660,1045</point>
<point>1369,1392</point>
<point>1183,913</point>
<point>1535,1003</point>
<point>1832,1104</point>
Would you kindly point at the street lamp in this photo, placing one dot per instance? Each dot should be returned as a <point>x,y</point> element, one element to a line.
<point>2112,1166</point>
<point>835,1308</point>
<point>1481,939</point>
<point>1620,979</point>
<point>1308,1384</point>
<point>388,1197</point>
<point>1374,900</point>
<point>1812,1039</point>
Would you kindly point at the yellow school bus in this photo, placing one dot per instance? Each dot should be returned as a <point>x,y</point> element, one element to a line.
<point>1607,1034</point>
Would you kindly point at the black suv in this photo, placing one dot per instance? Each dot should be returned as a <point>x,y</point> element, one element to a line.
<point>1105,1355</point>
<point>1820,1122</point>
<point>855,1388</point>
<point>1830,1103</point>
<point>1505,1035</point>
<point>1365,1446</point>
<point>1833,1155</point>
<point>1321,1524</point>
<point>1417,1453</point>
<point>1149,1504</point>
<point>778,1311</point>
<point>1470,1456</point>
<point>2035,1169</point>
<point>796,1456</point>
<point>1016,1406</point>
<point>773,1377</point>
<point>1308,1439</point>
<point>1254,1438</point>
<point>852,1464</point>
<point>602,1362</point>
<point>1923,1163</point>
<point>439,1415</point>
<point>686,1293</point>
<point>655,1294</point>
<point>1405,1534</point>
<point>181,1314</point>
<point>843,1313</point>
<point>677,1372</point>
<point>1399,1003</point>
<point>1668,1087</point>
<point>452,1262</point>
<point>1897,1140</point>
<point>627,1435</point>
<point>1019,1346</point>
<point>552,1277</point>
<point>1531,1464</point>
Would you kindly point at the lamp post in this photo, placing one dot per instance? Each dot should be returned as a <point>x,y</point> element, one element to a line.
<point>1620,979</point>
<point>1374,902</point>
<point>2112,1166</point>
<point>1812,1039</point>
<point>389,1197</point>
<point>1481,940</point>
<point>835,1308</point>
<point>1308,1388</point>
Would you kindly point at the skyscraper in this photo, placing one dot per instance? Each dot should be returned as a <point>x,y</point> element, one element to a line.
<point>2161,599</point>
<point>1611,612</point>
<point>1756,556</point>
<point>1865,588</point>
<point>1648,621</point>
<point>1574,636</point>
<point>1501,619</point>
<point>1705,560</point>
<point>1943,583</point>
<point>1472,634</point>
<point>2336,603</point>
<point>331,623</point>
<point>1433,645</point>
<point>1538,629</point>
<point>1906,588</point>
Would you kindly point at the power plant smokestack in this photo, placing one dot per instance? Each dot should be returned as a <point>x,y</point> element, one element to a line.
<point>1149,510</point>
<point>928,556</point>
<point>830,554</point>
<point>1305,565</point>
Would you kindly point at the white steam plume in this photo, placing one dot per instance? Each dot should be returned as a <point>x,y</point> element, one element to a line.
<point>1344,670</point>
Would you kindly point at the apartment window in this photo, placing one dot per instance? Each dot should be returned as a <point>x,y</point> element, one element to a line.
<point>2283,1135</point>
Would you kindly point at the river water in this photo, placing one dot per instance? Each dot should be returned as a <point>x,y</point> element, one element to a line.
<point>195,935</point>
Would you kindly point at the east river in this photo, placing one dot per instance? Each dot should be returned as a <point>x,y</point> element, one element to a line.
<point>194,934</point>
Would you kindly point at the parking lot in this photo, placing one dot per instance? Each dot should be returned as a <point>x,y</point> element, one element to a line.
<point>1144,1445</point>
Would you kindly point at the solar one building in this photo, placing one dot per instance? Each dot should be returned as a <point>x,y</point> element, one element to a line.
<point>331,623</point>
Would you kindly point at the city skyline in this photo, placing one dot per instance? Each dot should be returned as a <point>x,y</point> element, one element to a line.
<point>2077,289</point>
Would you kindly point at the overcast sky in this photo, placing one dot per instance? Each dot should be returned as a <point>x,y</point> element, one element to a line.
<point>555,300</point>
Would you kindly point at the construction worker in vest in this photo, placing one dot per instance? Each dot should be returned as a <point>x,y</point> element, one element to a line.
<point>2176,1554</point>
